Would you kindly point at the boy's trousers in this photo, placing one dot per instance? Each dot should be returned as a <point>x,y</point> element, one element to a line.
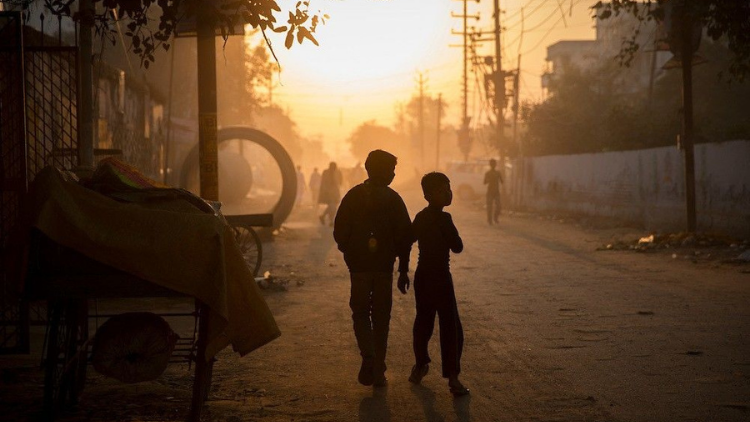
<point>434,295</point>
<point>371,300</point>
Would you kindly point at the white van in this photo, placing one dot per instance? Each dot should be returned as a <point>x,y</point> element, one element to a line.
<point>467,178</point>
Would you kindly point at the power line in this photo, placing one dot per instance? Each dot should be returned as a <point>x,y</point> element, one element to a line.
<point>541,40</point>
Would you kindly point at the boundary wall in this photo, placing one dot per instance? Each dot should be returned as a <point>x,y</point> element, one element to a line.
<point>646,187</point>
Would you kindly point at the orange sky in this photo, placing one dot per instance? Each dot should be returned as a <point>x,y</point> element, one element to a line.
<point>371,51</point>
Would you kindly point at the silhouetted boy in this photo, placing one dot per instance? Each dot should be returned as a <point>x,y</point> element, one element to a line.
<point>372,228</point>
<point>433,285</point>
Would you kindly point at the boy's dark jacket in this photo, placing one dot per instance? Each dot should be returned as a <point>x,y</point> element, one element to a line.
<point>437,235</point>
<point>370,211</point>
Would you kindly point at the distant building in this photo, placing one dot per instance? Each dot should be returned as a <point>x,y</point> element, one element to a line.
<point>611,35</point>
<point>583,54</point>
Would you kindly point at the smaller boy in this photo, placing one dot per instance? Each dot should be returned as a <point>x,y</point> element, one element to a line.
<point>436,235</point>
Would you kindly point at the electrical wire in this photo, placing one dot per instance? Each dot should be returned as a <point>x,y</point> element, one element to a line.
<point>541,40</point>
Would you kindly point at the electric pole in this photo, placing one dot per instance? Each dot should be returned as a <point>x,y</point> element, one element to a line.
<point>421,82</point>
<point>684,32</point>
<point>499,80</point>
<point>464,141</point>
<point>437,139</point>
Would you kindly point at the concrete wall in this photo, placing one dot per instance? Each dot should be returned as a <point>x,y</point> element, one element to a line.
<point>645,186</point>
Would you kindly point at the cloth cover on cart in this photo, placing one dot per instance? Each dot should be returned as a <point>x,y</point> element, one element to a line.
<point>162,238</point>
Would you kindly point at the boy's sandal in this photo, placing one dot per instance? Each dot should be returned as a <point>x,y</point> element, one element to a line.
<point>418,372</point>
<point>459,390</point>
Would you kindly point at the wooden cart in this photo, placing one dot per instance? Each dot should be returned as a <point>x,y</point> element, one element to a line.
<point>68,280</point>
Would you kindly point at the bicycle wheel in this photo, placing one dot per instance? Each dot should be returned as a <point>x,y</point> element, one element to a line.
<point>250,246</point>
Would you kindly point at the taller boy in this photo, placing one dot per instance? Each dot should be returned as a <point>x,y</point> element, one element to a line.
<point>372,228</point>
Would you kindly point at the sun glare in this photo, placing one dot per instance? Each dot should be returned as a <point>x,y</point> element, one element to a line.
<point>366,39</point>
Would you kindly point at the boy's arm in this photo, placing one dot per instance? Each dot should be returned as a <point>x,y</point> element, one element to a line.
<point>342,228</point>
<point>404,240</point>
<point>450,232</point>
<point>404,235</point>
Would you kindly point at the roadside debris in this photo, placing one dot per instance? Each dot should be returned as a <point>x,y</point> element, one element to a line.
<point>688,246</point>
<point>269,282</point>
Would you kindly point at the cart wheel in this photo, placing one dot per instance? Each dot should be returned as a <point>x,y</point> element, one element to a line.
<point>250,246</point>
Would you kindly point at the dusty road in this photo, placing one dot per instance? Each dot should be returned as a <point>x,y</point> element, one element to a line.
<point>555,331</point>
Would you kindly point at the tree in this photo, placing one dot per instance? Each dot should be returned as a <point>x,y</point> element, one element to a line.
<point>724,20</point>
<point>588,111</point>
<point>371,135</point>
<point>151,24</point>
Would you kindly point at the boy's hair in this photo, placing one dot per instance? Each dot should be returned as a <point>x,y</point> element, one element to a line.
<point>380,163</point>
<point>432,181</point>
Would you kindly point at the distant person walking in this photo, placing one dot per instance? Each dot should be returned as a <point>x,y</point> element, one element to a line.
<point>329,195</point>
<point>315,185</point>
<point>493,179</point>
<point>301,186</point>
<point>373,228</point>
<point>437,236</point>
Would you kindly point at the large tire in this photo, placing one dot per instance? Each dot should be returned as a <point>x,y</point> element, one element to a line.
<point>284,206</point>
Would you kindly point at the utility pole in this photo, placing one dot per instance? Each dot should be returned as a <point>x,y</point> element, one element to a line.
<point>421,82</point>
<point>686,50</point>
<point>464,140</point>
<point>270,89</point>
<point>685,32</point>
<point>437,139</point>
<point>499,80</point>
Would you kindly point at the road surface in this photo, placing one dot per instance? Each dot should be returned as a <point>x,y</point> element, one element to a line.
<point>555,331</point>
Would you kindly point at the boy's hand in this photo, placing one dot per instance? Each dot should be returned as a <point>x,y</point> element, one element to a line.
<point>403,282</point>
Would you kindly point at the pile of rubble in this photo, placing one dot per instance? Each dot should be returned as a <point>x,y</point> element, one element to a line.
<point>734,250</point>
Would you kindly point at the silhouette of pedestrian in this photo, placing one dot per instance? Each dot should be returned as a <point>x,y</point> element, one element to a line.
<point>329,193</point>
<point>372,228</point>
<point>315,186</point>
<point>301,187</point>
<point>437,236</point>
<point>493,179</point>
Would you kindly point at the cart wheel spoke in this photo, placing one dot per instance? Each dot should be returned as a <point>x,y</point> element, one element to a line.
<point>250,246</point>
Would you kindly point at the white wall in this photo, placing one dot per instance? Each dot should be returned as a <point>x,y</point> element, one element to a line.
<point>646,186</point>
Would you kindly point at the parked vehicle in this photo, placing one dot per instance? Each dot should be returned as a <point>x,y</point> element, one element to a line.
<point>467,178</point>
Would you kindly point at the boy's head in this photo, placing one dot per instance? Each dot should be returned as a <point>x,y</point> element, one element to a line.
<point>493,163</point>
<point>437,189</point>
<point>381,166</point>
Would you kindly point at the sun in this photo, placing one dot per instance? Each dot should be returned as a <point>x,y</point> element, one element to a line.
<point>367,39</point>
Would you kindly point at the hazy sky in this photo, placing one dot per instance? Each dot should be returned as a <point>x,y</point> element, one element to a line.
<point>371,51</point>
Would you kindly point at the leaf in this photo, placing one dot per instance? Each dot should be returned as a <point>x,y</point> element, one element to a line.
<point>310,37</point>
<point>136,41</point>
<point>289,38</point>
<point>280,29</point>
<point>605,14</point>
